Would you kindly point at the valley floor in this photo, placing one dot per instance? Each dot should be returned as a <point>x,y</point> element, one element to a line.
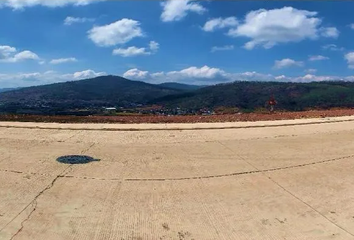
<point>275,180</point>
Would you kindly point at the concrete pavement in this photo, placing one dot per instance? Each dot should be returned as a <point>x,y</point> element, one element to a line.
<point>261,180</point>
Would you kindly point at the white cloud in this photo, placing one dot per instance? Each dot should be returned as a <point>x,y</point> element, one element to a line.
<point>71,20</point>
<point>48,77</point>
<point>187,75</point>
<point>119,32</point>
<point>329,32</point>
<point>314,78</point>
<point>154,46</point>
<point>251,76</point>
<point>192,75</point>
<point>281,77</point>
<point>350,59</point>
<point>175,10</point>
<point>311,70</point>
<point>351,26</point>
<point>203,72</point>
<point>332,47</point>
<point>317,58</point>
<point>25,55</point>
<point>19,4</point>
<point>223,48</point>
<point>63,60</point>
<point>134,51</point>
<point>219,23</point>
<point>6,51</point>
<point>130,51</point>
<point>87,74</point>
<point>11,55</point>
<point>268,28</point>
<point>135,74</point>
<point>209,75</point>
<point>287,62</point>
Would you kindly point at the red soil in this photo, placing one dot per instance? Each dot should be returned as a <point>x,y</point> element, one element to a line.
<point>181,119</point>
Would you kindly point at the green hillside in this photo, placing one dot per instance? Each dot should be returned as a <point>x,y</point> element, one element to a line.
<point>253,95</point>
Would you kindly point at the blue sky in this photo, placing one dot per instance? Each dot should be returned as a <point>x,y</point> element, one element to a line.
<point>196,42</point>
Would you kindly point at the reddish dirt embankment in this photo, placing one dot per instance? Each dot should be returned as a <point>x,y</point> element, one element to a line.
<point>181,119</point>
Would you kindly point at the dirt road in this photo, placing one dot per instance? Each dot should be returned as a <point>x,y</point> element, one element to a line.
<point>286,181</point>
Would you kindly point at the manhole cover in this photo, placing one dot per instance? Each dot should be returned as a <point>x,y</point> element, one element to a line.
<point>76,159</point>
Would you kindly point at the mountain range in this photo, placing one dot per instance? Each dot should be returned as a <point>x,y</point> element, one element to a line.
<point>120,92</point>
<point>6,89</point>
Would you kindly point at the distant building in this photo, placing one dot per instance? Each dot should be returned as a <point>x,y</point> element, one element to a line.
<point>110,110</point>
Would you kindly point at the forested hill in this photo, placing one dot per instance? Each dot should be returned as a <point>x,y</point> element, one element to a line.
<point>253,95</point>
<point>106,90</point>
<point>118,91</point>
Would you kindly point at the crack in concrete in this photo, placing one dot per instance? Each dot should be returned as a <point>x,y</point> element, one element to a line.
<point>308,205</point>
<point>74,135</point>
<point>34,201</point>
<point>27,173</point>
<point>292,194</point>
<point>240,173</point>
<point>191,178</point>
<point>34,204</point>
<point>88,148</point>
<point>26,219</point>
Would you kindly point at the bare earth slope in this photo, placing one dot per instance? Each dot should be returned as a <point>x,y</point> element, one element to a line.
<point>284,182</point>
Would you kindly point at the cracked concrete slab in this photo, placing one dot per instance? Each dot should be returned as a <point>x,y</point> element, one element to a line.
<point>285,182</point>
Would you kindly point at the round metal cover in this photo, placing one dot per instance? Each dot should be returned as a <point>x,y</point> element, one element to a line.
<point>76,159</point>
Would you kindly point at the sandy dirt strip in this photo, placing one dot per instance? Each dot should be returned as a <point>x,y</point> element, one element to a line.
<point>290,179</point>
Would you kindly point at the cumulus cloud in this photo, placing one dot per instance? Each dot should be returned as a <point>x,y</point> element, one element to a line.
<point>329,32</point>
<point>154,46</point>
<point>332,47</point>
<point>195,75</point>
<point>71,20</point>
<point>268,28</point>
<point>317,58</point>
<point>175,10</point>
<point>119,32</point>
<point>63,60</point>
<point>11,55</point>
<point>135,51</point>
<point>6,51</point>
<point>311,70</point>
<point>223,48</point>
<point>192,75</point>
<point>219,23</point>
<point>186,75</point>
<point>19,4</point>
<point>350,59</point>
<point>136,74</point>
<point>210,75</point>
<point>130,51</point>
<point>87,74</point>
<point>287,62</point>
<point>203,72</point>
<point>314,78</point>
<point>37,78</point>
